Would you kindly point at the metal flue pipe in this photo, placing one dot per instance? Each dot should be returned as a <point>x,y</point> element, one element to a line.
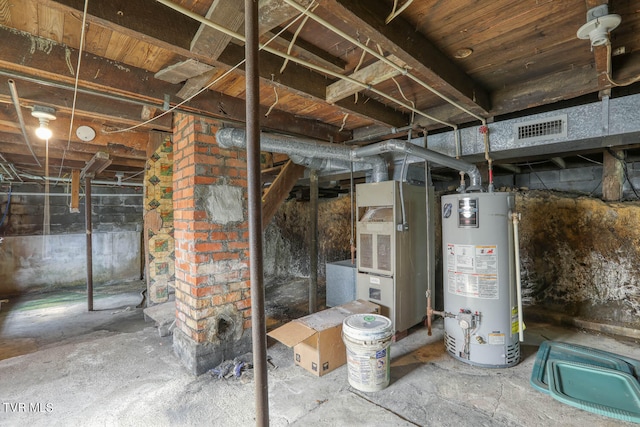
<point>397,146</point>
<point>299,148</point>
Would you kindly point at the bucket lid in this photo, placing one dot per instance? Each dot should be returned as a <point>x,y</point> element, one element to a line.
<point>367,327</point>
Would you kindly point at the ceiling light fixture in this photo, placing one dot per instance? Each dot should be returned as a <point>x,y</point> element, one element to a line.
<point>43,114</point>
<point>599,24</point>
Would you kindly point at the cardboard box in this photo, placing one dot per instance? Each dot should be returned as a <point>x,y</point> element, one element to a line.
<point>317,338</point>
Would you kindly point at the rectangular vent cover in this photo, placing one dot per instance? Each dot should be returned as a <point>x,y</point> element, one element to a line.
<point>366,250</point>
<point>538,130</point>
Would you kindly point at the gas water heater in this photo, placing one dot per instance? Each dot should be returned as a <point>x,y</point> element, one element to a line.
<point>481,317</point>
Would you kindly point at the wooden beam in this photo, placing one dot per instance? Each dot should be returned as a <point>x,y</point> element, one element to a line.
<point>74,206</point>
<point>183,70</point>
<point>309,84</point>
<point>306,50</point>
<point>279,190</point>
<point>400,39</point>
<point>195,84</point>
<point>140,16</point>
<point>299,80</point>
<point>545,90</point>
<point>273,13</point>
<point>211,42</point>
<point>372,74</point>
<point>128,144</point>
<point>155,140</point>
<point>600,56</point>
<point>17,58</point>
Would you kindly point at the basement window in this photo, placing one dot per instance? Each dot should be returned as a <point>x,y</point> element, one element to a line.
<point>538,130</point>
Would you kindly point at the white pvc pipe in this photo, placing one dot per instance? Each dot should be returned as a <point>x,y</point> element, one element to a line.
<point>516,242</point>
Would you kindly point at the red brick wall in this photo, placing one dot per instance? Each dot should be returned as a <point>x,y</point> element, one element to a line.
<point>211,255</point>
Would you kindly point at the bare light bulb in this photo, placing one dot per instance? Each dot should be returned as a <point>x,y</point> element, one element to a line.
<point>43,114</point>
<point>43,131</point>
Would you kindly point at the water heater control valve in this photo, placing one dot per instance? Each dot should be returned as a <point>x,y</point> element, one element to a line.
<point>467,320</point>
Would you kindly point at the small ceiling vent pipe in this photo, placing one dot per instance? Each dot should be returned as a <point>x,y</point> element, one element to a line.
<point>397,146</point>
<point>302,150</point>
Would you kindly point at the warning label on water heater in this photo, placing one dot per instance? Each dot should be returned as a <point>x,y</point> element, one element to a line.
<point>472,270</point>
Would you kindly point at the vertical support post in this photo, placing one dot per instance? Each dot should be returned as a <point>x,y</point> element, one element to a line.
<point>612,175</point>
<point>313,241</point>
<point>88,226</point>
<point>258,320</point>
<point>74,206</point>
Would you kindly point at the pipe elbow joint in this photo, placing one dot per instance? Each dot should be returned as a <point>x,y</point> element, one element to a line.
<point>231,138</point>
<point>475,179</point>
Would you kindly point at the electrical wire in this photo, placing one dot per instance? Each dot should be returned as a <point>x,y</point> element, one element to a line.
<point>371,51</point>
<point>311,65</point>
<point>274,103</point>
<point>594,190</point>
<point>75,86</point>
<point>590,160</point>
<point>394,13</point>
<point>538,176</point>
<point>295,37</point>
<point>625,169</point>
<point>608,73</point>
<point>225,74</point>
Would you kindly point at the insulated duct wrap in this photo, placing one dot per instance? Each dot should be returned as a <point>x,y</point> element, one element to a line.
<point>304,150</point>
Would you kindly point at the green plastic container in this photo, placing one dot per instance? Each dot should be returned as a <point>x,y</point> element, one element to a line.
<point>603,391</point>
<point>559,351</point>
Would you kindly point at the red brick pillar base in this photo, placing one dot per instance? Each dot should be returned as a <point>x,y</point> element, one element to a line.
<point>213,301</point>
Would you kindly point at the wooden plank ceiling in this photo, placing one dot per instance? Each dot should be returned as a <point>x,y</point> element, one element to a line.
<point>488,58</point>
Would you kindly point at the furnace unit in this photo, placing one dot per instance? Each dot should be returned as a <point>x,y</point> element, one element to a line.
<point>392,250</point>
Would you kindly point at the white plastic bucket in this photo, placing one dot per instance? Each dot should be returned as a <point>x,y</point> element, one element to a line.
<point>367,338</point>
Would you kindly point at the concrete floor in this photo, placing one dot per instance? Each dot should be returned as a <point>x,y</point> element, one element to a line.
<point>71,368</point>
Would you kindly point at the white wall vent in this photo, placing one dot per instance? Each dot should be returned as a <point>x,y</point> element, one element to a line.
<point>542,129</point>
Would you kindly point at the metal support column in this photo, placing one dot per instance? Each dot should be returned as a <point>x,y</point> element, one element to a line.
<point>88,226</point>
<point>258,320</point>
<point>313,241</point>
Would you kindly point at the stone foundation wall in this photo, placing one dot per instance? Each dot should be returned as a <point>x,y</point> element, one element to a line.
<point>287,237</point>
<point>579,255</point>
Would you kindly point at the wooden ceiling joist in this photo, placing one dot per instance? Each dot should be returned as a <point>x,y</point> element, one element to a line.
<point>372,74</point>
<point>401,40</point>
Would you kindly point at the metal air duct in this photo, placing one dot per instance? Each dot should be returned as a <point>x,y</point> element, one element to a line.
<point>303,151</point>
<point>397,146</point>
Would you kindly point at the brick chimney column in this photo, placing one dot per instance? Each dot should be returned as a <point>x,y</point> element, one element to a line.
<point>213,301</point>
